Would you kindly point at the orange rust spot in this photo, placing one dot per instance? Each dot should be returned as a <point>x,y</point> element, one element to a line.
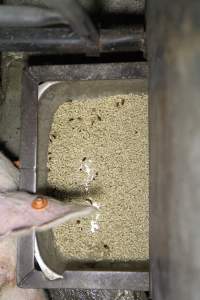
<point>17,163</point>
<point>39,203</point>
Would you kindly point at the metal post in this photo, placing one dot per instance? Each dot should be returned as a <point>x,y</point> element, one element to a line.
<point>174,55</point>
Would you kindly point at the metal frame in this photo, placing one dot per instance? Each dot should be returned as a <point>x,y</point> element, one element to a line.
<point>174,116</point>
<point>27,275</point>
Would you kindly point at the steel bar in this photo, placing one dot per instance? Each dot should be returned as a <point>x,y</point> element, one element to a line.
<point>28,16</point>
<point>113,71</point>
<point>75,14</point>
<point>174,51</point>
<point>28,167</point>
<point>63,40</point>
<point>138,281</point>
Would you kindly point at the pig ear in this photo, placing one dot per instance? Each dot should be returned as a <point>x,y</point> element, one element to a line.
<point>9,175</point>
<point>21,212</point>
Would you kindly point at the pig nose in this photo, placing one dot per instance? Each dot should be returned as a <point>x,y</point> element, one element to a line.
<point>39,203</point>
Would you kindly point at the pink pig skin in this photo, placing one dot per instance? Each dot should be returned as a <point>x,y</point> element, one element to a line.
<point>18,217</point>
<point>9,181</point>
<point>17,214</point>
<point>8,288</point>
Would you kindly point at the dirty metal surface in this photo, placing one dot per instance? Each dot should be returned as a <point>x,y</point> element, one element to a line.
<point>10,103</point>
<point>174,51</point>
<point>112,71</point>
<point>65,294</point>
<point>63,40</point>
<point>107,6</point>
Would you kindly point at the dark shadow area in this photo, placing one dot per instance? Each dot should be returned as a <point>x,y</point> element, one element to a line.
<point>104,265</point>
<point>37,60</point>
<point>70,194</point>
<point>105,20</point>
<point>109,20</point>
<point>9,154</point>
<point>107,265</point>
<point>37,267</point>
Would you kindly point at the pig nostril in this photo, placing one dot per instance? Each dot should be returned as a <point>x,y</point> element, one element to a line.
<point>39,203</point>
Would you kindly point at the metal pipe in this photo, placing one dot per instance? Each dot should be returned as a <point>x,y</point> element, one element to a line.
<point>29,16</point>
<point>62,40</point>
<point>78,19</point>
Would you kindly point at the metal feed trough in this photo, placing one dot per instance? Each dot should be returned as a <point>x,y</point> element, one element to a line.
<point>39,266</point>
<point>172,39</point>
